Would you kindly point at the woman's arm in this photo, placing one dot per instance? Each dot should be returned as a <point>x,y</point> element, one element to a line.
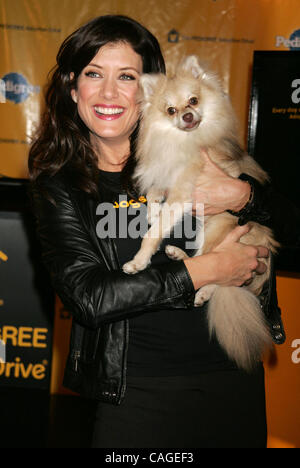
<point>270,208</point>
<point>219,192</point>
<point>230,263</point>
<point>81,277</point>
<point>249,201</point>
<point>95,294</point>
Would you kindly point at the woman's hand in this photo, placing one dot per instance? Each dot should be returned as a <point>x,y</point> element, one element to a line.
<point>238,261</point>
<point>219,192</point>
<point>231,263</point>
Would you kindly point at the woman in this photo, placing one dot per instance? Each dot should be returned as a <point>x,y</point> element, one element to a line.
<point>137,344</point>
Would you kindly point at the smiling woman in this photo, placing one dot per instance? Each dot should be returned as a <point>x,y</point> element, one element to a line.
<point>106,101</point>
<point>89,56</point>
<point>137,344</point>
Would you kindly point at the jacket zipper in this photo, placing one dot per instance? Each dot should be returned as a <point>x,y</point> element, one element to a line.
<point>114,253</point>
<point>76,357</point>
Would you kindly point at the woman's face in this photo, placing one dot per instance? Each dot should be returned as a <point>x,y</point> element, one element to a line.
<point>106,93</point>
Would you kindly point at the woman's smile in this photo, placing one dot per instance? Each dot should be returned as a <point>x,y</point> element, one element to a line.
<point>108,112</point>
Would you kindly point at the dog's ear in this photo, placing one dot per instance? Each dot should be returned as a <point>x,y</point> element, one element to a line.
<point>191,64</point>
<point>200,70</point>
<point>148,83</point>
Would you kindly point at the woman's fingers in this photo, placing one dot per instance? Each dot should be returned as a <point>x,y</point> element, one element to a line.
<point>262,252</point>
<point>250,254</point>
<point>205,156</point>
<point>211,166</point>
<point>261,268</point>
<point>237,233</point>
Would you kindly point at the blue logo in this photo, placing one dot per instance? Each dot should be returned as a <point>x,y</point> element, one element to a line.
<point>295,40</point>
<point>17,88</point>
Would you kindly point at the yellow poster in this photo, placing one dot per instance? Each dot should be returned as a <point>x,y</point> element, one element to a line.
<point>223,32</point>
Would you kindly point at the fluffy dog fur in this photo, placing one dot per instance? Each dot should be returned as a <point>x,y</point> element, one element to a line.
<point>180,114</point>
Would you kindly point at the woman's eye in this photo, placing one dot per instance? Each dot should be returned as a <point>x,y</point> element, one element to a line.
<point>92,74</point>
<point>127,77</point>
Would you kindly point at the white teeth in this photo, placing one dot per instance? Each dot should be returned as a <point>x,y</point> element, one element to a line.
<point>109,110</point>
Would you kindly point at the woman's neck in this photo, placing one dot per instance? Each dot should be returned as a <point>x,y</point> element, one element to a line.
<point>112,156</point>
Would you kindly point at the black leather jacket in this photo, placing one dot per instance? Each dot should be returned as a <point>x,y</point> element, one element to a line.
<point>87,277</point>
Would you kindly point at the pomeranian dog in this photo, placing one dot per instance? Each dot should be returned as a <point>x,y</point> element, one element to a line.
<point>181,115</point>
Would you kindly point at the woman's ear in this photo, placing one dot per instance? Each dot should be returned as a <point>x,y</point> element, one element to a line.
<point>74,95</point>
<point>73,90</point>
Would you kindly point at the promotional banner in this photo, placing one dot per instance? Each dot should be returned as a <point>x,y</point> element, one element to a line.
<point>26,300</point>
<point>282,370</point>
<point>224,33</point>
<point>274,124</point>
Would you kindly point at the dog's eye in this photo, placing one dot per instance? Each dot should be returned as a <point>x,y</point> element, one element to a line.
<point>171,110</point>
<point>193,101</point>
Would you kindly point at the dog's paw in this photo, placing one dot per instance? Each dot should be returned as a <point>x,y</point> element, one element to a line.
<point>203,295</point>
<point>134,266</point>
<point>199,299</point>
<point>174,253</point>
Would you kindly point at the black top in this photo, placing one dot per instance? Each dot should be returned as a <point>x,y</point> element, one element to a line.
<point>167,342</point>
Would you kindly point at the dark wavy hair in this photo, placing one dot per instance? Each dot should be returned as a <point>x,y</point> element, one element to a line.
<point>62,141</point>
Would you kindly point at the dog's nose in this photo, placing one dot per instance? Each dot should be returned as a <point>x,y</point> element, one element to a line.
<point>188,117</point>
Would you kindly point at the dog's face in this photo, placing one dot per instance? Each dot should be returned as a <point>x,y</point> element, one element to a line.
<point>187,100</point>
<point>181,104</point>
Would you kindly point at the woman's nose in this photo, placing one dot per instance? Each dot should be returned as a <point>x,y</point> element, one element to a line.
<point>109,88</point>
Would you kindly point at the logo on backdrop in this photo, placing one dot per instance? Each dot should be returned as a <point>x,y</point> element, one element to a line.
<point>174,36</point>
<point>15,87</point>
<point>292,43</point>
<point>22,337</point>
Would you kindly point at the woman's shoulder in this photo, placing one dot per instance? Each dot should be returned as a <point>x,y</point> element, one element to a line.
<point>62,187</point>
<point>58,181</point>
<point>51,187</point>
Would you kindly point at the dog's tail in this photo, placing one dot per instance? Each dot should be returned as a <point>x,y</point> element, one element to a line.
<point>236,318</point>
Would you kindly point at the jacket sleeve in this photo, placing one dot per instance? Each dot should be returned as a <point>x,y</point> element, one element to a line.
<point>271,208</point>
<point>284,217</point>
<point>82,279</point>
